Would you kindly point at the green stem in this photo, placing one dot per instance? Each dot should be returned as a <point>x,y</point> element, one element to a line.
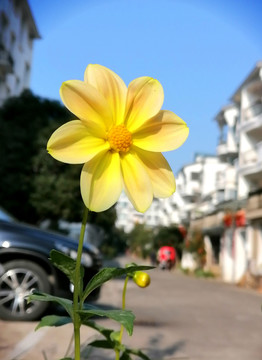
<point>123,308</point>
<point>76,296</point>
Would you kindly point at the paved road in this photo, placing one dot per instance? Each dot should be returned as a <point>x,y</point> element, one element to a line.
<point>177,317</point>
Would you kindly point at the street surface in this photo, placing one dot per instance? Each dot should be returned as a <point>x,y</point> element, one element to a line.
<point>177,317</point>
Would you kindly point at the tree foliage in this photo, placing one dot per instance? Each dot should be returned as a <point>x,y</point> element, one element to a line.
<point>21,120</point>
<point>34,186</point>
<point>141,240</point>
<point>169,236</point>
<point>144,241</point>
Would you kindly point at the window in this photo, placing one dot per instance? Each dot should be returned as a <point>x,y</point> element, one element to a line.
<point>195,176</point>
<point>26,75</point>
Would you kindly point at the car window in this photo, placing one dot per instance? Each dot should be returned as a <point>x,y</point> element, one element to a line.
<point>4,215</point>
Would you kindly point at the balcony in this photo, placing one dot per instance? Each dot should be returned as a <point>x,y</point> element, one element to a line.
<point>252,119</point>
<point>191,192</point>
<point>252,156</point>
<point>209,223</point>
<point>224,150</point>
<point>251,162</point>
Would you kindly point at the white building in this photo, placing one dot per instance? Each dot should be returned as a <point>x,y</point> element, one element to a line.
<point>195,186</point>
<point>248,97</point>
<point>241,146</point>
<point>227,150</point>
<point>201,187</point>
<point>17,33</point>
<point>162,212</point>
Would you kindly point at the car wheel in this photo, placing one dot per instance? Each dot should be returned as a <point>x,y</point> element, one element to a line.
<point>18,280</point>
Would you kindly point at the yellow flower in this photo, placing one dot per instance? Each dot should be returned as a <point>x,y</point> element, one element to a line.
<point>142,279</point>
<point>119,138</point>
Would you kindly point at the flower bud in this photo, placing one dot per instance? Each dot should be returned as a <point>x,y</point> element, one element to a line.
<point>142,279</point>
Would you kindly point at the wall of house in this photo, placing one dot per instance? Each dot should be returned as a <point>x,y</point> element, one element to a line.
<point>235,254</point>
<point>17,38</point>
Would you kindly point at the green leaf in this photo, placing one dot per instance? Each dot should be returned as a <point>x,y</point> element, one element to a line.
<point>102,330</point>
<point>125,356</point>
<point>103,344</point>
<point>115,336</point>
<point>124,317</point>
<point>109,273</point>
<point>138,353</point>
<point>67,358</point>
<point>65,303</point>
<point>53,320</point>
<point>67,265</point>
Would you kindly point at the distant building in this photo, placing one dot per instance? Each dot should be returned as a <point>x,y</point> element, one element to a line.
<point>249,99</point>
<point>17,34</point>
<point>128,217</point>
<point>235,227</point>
<point>200,185</point>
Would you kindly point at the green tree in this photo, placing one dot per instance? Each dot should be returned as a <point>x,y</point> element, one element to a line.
<point>141,240</point>
<point>21,120</point>
<point>169,236</point>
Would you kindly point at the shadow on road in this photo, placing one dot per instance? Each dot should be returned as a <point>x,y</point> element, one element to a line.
<point>155,351</point>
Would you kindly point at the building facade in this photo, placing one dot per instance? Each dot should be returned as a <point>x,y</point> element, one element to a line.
<point>248,97</point>
<point>17,34</point>
<point>238,214</point>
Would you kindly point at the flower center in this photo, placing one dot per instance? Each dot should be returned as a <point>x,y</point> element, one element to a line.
<point>120,139</point>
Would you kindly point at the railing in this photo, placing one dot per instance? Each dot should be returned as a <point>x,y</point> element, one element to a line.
<point>253,110</point>
<point>222,148</point>
<point>252,156</point>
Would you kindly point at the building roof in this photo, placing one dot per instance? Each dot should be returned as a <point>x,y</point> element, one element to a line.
<point>34,33</point>
<point>220,114</point>
<point>252,76</point>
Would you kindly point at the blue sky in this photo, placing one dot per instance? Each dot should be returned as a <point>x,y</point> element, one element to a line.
<point>200,51</point>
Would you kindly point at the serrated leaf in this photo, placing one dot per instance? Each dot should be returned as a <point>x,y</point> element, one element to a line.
<point>124,317</point>
<point>67,265</point>
<point>109,273</point>
<point>65,303</point>
<point>53,320</point>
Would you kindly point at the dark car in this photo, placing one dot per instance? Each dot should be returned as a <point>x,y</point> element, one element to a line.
<point>25,265</point>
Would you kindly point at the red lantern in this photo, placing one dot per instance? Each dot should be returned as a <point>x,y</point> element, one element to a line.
<point>228,219</point>
<point>240,218</point>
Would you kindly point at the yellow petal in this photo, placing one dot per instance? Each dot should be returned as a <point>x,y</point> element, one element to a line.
<point>145,98</point>
<point>101,181</point>
<point>85,101</point>
<point>159,171</point>
<point>72,143</point>
<point>164,132</point>
<point>111,86</point>
<point>136,182</point>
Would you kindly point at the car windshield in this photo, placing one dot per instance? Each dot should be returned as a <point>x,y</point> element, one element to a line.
<point>4,215</point>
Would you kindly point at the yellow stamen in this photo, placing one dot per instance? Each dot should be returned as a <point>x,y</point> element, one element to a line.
<point>120,139</point>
